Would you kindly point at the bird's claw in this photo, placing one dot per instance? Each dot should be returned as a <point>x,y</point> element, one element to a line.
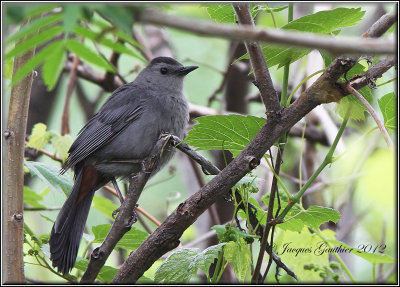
<point>114,214</point>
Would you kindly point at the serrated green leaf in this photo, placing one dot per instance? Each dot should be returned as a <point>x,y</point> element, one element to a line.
<point>228,132</point>
<point>35,61</point>
<point>39,137</point>
<point>183,263</point>
<point>34,41</point>
<point>61,145</point>
<point>52,67</point>
<point>87,54</point>
<point>130,241</point>
<point>115,46</point>
<point>387,104</point>
<point>106,273</point>
<point>32,198</point>
<point>51,176</point>
<point>104,205</point>
<point>240,256</point>
<point>357,108</point>
<point>224,13</point>
<point>314,216</point>
<point>33,27</point>
<point>323,22</point>
<point>71,14</point>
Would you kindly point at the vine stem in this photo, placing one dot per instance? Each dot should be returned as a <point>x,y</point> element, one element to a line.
<point>341,262</point>
<point>374,115</point>
<point>328,159</point>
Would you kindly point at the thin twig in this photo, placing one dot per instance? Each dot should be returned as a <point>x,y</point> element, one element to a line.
<point>277,36</point>
<point>70,89</point>
<point>137,208</point>
<point>262,76</point>
<point>374,115</point>
<point>47,153</point>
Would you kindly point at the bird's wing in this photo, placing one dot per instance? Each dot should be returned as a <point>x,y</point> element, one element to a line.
<point>117,113</point>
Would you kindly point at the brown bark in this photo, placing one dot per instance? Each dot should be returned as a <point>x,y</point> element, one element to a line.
<point>13,220</point>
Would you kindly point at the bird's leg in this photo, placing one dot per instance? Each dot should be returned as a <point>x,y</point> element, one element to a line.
<point>121,198</point>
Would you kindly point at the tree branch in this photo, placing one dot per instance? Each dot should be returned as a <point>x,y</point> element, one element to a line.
<point>13,204</point>
<point>126,216</point>
<point>335,46</point>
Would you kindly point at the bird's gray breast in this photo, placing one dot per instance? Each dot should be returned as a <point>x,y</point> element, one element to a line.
<point>160,114</point>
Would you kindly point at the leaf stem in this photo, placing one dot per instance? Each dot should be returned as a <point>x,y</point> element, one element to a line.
<point>328,159</point>
<point>301,83</point>
<point>341,262</point>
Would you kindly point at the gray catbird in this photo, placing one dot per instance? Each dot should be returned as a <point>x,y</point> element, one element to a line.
<point>127,126</point>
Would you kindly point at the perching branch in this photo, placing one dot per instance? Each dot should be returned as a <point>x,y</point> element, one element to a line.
<point>277,36</point>
<point>126,216</point>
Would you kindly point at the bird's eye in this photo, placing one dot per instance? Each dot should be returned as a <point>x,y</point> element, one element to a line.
<point>163,70</point>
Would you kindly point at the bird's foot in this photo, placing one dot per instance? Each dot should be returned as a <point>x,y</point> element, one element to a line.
<point>115,212</point>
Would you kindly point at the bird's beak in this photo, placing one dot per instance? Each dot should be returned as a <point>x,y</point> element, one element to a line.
<point>186,70</point>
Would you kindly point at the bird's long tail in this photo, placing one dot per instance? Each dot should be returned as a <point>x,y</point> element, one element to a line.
<point>67,230</point>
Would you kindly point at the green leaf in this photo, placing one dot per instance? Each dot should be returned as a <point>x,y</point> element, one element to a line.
<point>387,104</point>
<point>33,27</point>
<point>39,137</point>
<point>228,132</point>
<point>71,15</point>
<point>35,61</point>
<point>130,241</point>
<point>375,258</point>
<point>119,16</point>
<point>297,249</point>
<point>53,66</point>
<point>323,22</point>
<point>224,13</point>
<point>51,176</point>
<point>104,205</point>
<point>87,54</point>
<point>228,233</point>
<point>61,145</point>
<point>313,217</point>
<point>34,41</point>
<point>32,198</point>
<point>8,69</point>
<point>357,108</point>
<point>115,46</point>
<point>184,263</point>
<point>34,10</point>
<point>106,274</point>
<point>240,256</point>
